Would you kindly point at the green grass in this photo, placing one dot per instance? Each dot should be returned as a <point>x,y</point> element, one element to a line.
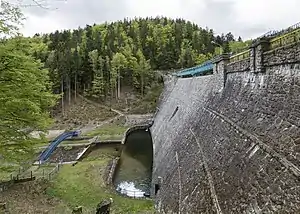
<point>6,171</point>
<point>13,168</point>
<point>83,185</point>
<point>74,142</point>
<point>109,131</point>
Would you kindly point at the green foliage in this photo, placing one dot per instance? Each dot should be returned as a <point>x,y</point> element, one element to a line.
<point>148,103</point>
<point>25,98</point>
<point>118,64</point>
<point>239,46</point>
<point>101,60</point>
<point>10,18</point>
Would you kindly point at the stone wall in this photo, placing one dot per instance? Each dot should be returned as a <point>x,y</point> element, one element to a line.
<point>239,66</point>
<point>283,55</point>
<point>138,119</point>
<point>235,150</point>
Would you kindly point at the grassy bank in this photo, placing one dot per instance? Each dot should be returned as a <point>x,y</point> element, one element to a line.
<point>83,185</point>
<point>111,131</point>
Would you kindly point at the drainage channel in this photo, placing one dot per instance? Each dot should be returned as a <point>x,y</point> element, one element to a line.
<point>134,171</point>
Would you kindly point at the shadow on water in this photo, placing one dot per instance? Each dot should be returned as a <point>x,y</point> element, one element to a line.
<point>134,172</point>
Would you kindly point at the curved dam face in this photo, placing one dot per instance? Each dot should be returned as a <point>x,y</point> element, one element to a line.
<point>229,148</point>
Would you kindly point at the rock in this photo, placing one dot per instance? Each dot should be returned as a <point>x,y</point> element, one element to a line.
<point>3,206</point>
<point>104,207</point>
<point>77,210</point>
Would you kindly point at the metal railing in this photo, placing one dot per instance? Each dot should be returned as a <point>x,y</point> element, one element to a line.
<point>285,39</point>
<point>131,193</point>
<point>206,66</point>
<point>53,172</point>
<point>240,56</point>
<point>274,33</point>
<point>23,176</point>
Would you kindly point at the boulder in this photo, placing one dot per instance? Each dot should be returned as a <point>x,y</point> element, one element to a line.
<point>104,206</point>
<point>77,210</point>
<point>3,207</point>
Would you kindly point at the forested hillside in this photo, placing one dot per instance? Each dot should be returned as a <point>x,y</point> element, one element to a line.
<point>100,60</point>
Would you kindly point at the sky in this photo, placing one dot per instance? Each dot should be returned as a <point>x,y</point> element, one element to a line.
<point>245,18</point>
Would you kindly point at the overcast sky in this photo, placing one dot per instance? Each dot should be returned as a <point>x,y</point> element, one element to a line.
<point>247,18</point>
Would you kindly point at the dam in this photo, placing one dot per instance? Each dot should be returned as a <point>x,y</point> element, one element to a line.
<point>230,142</point>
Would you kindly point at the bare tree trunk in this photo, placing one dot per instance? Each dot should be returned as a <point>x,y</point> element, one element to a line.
<point>75,95</point>
<point>119,86</point>
<point>62,98</point>
<point>69,87</point>
<point>116,88</point>
<point>142,85</point>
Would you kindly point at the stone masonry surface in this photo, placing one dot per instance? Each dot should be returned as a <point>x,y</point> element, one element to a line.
<point>240,66</point>
<point>234,150</point>
<point>283,55</point>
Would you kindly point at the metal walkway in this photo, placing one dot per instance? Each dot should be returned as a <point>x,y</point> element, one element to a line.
<point>204,68</point>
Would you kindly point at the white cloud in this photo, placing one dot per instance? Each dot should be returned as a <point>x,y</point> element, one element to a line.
<point>272,14</point>
<point>37,24</point>
<point>248,18</point>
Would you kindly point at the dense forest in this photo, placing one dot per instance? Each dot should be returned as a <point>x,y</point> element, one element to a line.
<point>99,60</point>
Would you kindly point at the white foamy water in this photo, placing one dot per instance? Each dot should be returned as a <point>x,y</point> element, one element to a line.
<point>129,189</point>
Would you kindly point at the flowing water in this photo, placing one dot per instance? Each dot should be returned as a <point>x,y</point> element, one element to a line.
<point>133,175</point>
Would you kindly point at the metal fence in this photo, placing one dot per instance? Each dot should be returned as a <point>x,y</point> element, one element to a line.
<point>25,176</point>
<point>275,33</point>
<point>277,39</point>
<point>131,193</point>
<point>285,39</point>
<point>240,56</point>
<point>48,175</point>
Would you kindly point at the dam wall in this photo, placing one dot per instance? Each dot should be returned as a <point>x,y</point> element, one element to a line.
<point>230,142</point>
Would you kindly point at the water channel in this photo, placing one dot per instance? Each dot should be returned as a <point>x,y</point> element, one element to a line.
<point>133,174</point>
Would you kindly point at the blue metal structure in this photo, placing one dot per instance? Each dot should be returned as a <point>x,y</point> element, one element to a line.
<point>48,151</point>
<point>197,70</point>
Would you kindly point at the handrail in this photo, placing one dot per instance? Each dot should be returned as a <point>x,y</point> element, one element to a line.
<point>285,39</point>
<point>240,56</point>
<point>277,39</point>
<point>131,193</point>
<point>274,33</point>
<point>206,66</point>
